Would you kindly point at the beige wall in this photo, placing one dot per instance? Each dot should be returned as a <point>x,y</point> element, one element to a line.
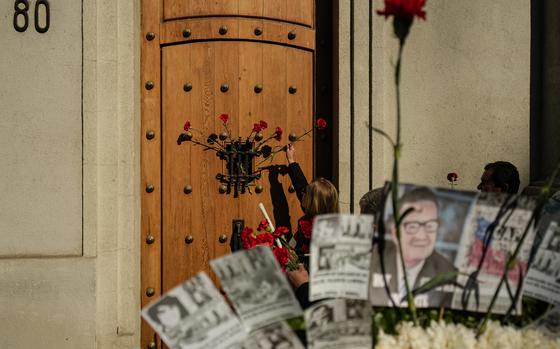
<point>465,92</point>
<point>41,135</point>
<point>65,283</point>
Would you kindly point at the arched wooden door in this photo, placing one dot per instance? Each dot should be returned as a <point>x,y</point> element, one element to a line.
<point>190,51</point>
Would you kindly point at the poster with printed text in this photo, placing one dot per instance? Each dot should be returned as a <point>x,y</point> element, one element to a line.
<point>257,287</point>
<point>194,315</point>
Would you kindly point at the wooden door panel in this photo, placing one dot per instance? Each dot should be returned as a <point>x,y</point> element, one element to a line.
<point>253,8</point>
<point>186,214</point>
<point>204,214</point>
<point>294,11</point>
<point>299,114</point>
<point>225,207</point>
<point>250,112</point>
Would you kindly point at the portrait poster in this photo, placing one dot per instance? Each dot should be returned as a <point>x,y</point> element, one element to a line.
<point>257,287</point>
<point>340,256</point>
<point>339,323</point>
<point>431,229</point>
<point>514,214</point>
<point>276,336</point>
<point>194,315</point>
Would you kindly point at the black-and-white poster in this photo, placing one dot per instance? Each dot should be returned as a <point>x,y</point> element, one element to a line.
<point>194,315</point>
<point>276,336</point>
<point>543,279</point>
<point>256,286</point>
<point>339,323</point>
<point>340,256</point>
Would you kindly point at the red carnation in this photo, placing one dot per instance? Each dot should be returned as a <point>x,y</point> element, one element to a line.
<point>263,225</point>
<point>257,128</point>
<point>278,134</point>
<point>282,256</point>
<point>224,117</point>
<point>321,124</point>
<point>265,239</point>
<point>248,239</point>
<point>263,124</point>
<point>452,177</point>
<point>187,125</point>
<point>305,227</point>
<point>280,231</point>
<point>404,9</point>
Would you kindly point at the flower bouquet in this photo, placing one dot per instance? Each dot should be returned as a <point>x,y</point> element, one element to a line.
<point>265,235</point>
<point>239,153</point>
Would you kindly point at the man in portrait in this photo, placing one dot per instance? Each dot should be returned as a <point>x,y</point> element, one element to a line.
<point>168,315</point>
<point>419,232</point>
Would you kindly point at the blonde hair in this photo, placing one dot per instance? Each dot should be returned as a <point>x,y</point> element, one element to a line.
<point>320,197</point>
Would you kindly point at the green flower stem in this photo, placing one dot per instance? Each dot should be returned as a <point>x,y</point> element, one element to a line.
<point>204,145</point>
<point>395,186</point>
<point>543,197</point>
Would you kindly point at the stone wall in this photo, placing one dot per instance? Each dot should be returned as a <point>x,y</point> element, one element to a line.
<point>465,93</point>
<point>69,261</point>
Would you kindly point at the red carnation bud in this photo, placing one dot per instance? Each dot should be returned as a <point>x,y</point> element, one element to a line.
<point>278,134</point>
<point>263,225</point>
<point>404,9</point>
<point>306,228</point>
<point>265,239</point>
<point>257,128</point>
<point>224,117</point>
<point>452,177</point>
<point>282,256</point>
<point>321,124</point>
<point>280,231</point>
<point>187,125</point>
<point>263,124</point>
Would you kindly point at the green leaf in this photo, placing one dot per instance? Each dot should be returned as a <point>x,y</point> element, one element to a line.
<point>437,281</point>
<point>297,323</point>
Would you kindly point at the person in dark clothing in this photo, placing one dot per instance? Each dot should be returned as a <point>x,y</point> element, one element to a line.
<point>318,197</point>
<point>499,177</point>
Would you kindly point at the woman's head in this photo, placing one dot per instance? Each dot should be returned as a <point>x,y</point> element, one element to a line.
<point>320,197</point>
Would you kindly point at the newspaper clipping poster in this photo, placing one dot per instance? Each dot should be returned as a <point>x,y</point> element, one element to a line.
<point>340,256</point>
<point>430,235</point>
<point>194,315</point>
<point>543,279</point>
<point>504,241</point>
<point>339,323</point>
<point>255,284</point>
<point>549,323</point>
<point>275,336</point>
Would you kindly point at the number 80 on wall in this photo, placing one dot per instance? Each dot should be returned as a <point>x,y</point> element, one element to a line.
<point>21,13</point>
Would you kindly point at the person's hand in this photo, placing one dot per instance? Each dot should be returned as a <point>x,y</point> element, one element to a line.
<point>298,277</point>
<point>290,153</point>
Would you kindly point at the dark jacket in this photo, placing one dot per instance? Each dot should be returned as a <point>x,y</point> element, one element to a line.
<point>433,265</point>
<point>300,183</point>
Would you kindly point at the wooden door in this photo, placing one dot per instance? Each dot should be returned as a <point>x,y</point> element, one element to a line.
<point>186,220</point>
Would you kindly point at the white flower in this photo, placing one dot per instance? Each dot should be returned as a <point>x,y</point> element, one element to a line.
<point>456,336</point>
